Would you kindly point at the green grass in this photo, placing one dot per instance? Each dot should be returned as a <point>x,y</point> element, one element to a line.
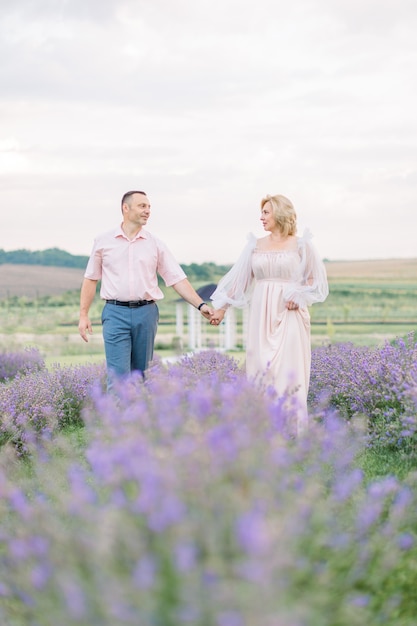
<point>361,311</point>
<point>356,301</point>
<point>377,463</point>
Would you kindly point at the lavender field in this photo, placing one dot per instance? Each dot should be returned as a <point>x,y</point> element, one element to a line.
<point>186,499</point>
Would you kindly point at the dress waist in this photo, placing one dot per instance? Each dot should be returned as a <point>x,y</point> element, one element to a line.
<point>273,280</point>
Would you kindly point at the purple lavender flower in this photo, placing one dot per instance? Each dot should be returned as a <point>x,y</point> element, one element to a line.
<point>193,504</point>
<point>229,618</point>
<point>360,600</point>
<point>74,597</point>
<point>406,541</point>
<point>23,362</point>
<point>42,401</point>
<point>252,532</point>
<point>378,384</point>
<point>185,556</point>
<point>145,572</point>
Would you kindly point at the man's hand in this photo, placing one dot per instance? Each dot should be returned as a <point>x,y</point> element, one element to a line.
<point>88,291</point>
<point>207,312</point>
<point>85,327</point>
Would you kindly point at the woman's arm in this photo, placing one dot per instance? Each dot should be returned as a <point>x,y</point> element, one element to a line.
<point>314,286</point>
<point>234,289</point>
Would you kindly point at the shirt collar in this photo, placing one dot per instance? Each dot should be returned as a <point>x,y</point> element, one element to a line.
<point>120,233</point>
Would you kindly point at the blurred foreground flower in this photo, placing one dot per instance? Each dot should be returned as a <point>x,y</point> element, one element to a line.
<point>194,506</point>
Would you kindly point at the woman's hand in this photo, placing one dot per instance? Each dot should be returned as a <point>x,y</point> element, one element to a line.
<point>217,317</point>
<point>291,306</point>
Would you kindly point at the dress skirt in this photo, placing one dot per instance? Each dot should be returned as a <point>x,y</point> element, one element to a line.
<point>278,346</point>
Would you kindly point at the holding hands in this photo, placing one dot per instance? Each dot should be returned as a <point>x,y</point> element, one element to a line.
<point>217,317</point>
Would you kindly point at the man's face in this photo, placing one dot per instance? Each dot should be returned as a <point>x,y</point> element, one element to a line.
<point>137,209</point>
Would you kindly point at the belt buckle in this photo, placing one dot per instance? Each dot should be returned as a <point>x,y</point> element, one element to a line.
<point>133,304</point>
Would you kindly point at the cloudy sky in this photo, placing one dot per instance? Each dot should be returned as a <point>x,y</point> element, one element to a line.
<point>208,106</point>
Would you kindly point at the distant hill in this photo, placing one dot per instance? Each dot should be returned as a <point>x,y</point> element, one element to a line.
<point>52,257</point>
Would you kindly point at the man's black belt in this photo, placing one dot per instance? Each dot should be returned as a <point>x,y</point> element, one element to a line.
<point>133,304</point>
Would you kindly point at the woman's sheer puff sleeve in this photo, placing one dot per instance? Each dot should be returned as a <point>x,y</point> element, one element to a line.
<point>313,286</point>
<point>234,289</point>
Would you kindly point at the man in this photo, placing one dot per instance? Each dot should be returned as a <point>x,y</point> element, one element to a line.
<point>128,260</point>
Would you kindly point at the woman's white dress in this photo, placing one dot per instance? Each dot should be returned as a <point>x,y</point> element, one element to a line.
<point>278,348</point>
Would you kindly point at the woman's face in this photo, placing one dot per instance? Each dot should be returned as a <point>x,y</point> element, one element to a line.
<point>267,218</point>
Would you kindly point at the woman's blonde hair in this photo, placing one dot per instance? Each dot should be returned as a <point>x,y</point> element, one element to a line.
<point>283,212</point>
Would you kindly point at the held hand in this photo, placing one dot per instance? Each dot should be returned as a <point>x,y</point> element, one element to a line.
<point>217,317</point>
<point>291,306</point>
<point>85,327</point>
<point>206,311</point>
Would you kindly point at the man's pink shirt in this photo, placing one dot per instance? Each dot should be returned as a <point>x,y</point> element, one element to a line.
<point>129,269</point>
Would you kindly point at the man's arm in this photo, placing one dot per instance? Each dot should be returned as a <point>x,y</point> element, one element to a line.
<point>185,289</point>
<point>88,292</point>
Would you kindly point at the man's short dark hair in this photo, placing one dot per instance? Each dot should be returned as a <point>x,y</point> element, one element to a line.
<point>127,195</point>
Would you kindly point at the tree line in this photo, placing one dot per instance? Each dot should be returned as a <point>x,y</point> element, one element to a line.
<point>51,257</point>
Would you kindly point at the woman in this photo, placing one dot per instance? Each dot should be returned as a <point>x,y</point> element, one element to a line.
<point>278,276</point>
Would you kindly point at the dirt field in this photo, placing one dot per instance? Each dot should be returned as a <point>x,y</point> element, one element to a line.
<point>395,269</point>
<point>36,280</point>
